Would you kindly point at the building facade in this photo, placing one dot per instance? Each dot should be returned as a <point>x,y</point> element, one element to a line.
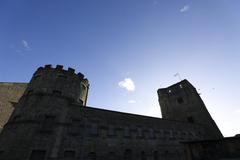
<point>52,122</point>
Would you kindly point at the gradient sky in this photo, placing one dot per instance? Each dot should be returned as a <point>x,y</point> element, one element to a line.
<point>130,48</point>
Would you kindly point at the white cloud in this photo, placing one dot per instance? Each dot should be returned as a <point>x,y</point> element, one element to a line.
<point>132,101</point>
<point>26,45</point>
<point>185,8</point>
<point>127,83</point>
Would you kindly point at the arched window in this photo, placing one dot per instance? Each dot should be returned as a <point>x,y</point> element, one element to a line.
<point>143,156</point>
<point>48,124</point>
<point>92,156</point>
<point>155,155</point>
<point>128,154</point>
<point>190,119</point>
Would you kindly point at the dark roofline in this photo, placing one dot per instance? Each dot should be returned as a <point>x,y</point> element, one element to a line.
<point>132,114</point>
<point>183,81</point>
<point>174,85</point>
<point>120,112</point>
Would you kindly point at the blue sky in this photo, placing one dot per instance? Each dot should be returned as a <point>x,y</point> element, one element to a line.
<point>130,48</point>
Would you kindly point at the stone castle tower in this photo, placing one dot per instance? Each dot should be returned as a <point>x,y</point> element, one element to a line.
<point>182,102</point>
<point>52,122</point>
<point>44,104</point>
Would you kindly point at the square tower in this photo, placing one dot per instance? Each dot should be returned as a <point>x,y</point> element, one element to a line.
<point>181,102</point>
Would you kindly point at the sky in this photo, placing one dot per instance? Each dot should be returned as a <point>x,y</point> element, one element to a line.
<point>130,48</point>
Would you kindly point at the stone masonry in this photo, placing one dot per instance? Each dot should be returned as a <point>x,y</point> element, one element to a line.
<point>51,121</point>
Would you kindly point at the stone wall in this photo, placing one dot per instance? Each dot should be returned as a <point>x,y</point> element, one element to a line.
<point>9,95</point>
<point>113,135</point>
<point>52,122</point>
<point>221,149</point>
<point>63,130</point>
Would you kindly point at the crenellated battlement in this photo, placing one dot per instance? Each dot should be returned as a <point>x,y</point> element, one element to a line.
<point>59,81</point>
<point>58,69</point>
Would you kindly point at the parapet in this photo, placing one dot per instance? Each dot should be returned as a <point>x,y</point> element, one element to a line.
<point>59,69</point>
<point>181,86</point>
<point>61,82</point>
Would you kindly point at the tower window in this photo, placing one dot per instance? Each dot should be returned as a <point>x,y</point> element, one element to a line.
<point>37,155</point>
<point>139,133</point>
<point>75,127</point>
<point>92,156</point>
<point>69,154</point>
<point>152,134</point>
<point>1,153</point>
<point>57,93</point>
<point>190,119</point>
<point>126,132</point>
<point>112,156</point>
<point>155,155</point>
<point>48,124</point>
<point>143,156</point>
<point>111,132</point>
<point>128,154</point>
<point>93,130</point>
<point>180,100</point>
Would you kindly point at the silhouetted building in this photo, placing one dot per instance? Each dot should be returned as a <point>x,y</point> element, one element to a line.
<point>52,122</point>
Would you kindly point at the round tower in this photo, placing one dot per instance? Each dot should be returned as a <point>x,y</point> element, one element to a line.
<point>37,126</point>
<point>57,81</point>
